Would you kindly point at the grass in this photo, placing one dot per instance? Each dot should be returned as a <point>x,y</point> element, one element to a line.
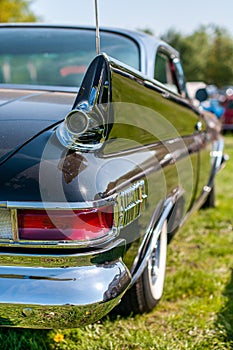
<point>196,311</point>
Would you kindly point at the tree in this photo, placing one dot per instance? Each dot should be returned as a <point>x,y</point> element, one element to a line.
<point>220,55</point>
<point>16,11</point>
<point>207,54</point>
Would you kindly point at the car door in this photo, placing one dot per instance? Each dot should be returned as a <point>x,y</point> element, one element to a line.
<point>190,124</point>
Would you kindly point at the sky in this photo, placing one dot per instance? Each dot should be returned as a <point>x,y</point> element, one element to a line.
<point>184,16</point>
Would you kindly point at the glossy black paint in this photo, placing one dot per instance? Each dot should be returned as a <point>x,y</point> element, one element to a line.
<point>120,157</point>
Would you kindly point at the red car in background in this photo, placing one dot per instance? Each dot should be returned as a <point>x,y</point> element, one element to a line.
<point>227,117</point>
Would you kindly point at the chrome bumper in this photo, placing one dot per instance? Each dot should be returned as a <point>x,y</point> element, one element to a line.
<point>53,294</point>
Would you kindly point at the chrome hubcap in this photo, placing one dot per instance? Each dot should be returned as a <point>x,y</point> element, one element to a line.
<point>154,263</point>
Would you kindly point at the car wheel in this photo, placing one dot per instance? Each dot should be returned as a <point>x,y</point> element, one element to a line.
<point>148,289</point>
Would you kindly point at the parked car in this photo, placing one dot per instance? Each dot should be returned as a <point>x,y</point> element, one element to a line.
<point>102,158</point>
<point>210,100</point>
<point>227,117</point>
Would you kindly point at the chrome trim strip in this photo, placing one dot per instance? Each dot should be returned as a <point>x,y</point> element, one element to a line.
<point>54,260</point>
<point>67,244</point>
<point>217,155</point>
<point>167,207</point>
<point>6,233</point>
<point>14,223</point>
<point>59,205</point>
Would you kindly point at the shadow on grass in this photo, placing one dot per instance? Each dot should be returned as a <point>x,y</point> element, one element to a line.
<point>225,317</point>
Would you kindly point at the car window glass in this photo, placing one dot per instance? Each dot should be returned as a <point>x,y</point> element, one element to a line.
<point>57,56</point>
<point>164,71</point>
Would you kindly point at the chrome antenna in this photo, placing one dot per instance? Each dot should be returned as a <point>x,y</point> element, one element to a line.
<point>97,31</point>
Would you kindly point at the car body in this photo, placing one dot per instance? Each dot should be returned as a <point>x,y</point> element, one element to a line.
<point>102,158</point>
<point>227,117</point>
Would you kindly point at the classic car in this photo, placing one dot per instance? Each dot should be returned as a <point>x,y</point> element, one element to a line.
<point>102,158</point>
<point>227,117</point>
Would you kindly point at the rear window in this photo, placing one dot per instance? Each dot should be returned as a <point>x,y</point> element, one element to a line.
<point>57,56</point>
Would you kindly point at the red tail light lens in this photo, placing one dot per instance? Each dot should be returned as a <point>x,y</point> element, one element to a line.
<point>78,225</point>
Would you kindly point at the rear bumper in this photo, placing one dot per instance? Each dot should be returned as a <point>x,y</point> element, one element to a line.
<point>61,296</point>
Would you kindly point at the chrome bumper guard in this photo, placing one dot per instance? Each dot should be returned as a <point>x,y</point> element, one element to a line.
<point>61,291</point>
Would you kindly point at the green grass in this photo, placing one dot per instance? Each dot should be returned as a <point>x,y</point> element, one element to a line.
<point>196,311</point>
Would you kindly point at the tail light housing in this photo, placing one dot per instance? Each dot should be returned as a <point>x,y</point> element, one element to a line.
<point>65,225</point>
<point>86,125</point>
